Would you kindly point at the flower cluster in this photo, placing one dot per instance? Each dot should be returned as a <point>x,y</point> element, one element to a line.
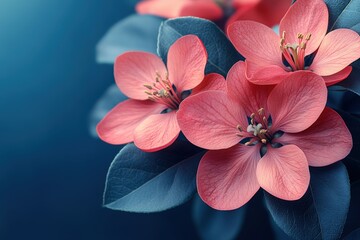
<point>255,106</point>
<point>263,125</point>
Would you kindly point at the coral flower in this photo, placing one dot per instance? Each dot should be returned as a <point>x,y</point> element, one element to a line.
<point>149,117</point>
<point>265,11</point>
<point>262,136</point>
<point>302,45</point>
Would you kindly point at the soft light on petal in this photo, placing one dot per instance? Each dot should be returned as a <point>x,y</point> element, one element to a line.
<point>256,42</point>
<point>207,9</point>
<point>306,17</point>
<point>209,120</point>
<point>162,8</point>
<point>339,48</point>
<point>284,172</point>
<point>186,62</point>
<point>226,179</point>
<point>251,97</point>
<point>156,132</point>
<point>134,69</point>
<point>297,102</point>
<point>327,141</point>
<point>337,77</point>
<point>118,126</point>
<point>212,81</point>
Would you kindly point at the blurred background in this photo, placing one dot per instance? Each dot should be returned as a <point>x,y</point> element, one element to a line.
<point>52,172</point>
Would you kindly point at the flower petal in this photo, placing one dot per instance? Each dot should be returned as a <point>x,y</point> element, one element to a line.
<point>186,62</point>
<point>251,97</point>
<point>203,9</point>
<point>156,132</point>
<point>338,49</point>
<point>226,179</point>
<point>265,75</point>
<point>284,172</point>
<point>256,42</point>
<point>118,126</point>
<point>306,17</point>
<point>212,81</point>
<point>209,120</point>
<point>268,12</point>
<point>162,8</point>
<point>337,77</point>
<point>134,69</point>
<point>328,140</point>
<point>296,102</point>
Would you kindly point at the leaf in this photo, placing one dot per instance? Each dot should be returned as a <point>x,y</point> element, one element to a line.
<point>343,13</point>
<point>352,83</point>
<point>221,53</point>
<point>138,181</point>
<point>134,33</point>
<point>107,101</point>
<point>213,224</point>
<point>322,212</point>
<point>355,235</point>
<point>352,222</point>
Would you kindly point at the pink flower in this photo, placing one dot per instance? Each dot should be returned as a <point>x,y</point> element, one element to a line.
<point>303,30</point>
<point>262,136</point>
<point>149,117</point>
<point>264,11</point>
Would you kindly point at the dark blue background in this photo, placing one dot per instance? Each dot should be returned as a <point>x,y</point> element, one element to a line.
<point>52,172</point>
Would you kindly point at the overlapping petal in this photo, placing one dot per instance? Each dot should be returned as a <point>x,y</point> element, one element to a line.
<point>339,48</point>
<point>207,9</point>
<point>265,75</point>
<point>156,132</point>
<point>284,172</point>
<point>134,69</point>
<point>306,17</point>
<point>297,102</point>
<point>118,126</point>
<point>337,77</point>
<point>226,179</point>
<point>186,62</point>
<point>212,81</point>
<point>209,120</point>
<point>328,140</point>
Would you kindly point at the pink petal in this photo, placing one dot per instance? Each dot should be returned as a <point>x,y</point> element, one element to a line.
<point>118,125</point>
<point>134,69</point>
<point>209,120</point>
<point>256,42</point>
<point>284,172</point>
<point>339,48</point>
<point>186,62</point>
<point>156,132</point>
<point>246,94</point>
<point>306,17</point>
<point>212,81</point>
<point>328,140</point>
<point>162,8</point>
<point>265,75</point>
<point>268,12</point>
<point>337,77</point>
<point>202,9</point>
<point>226,179</point>
<point>296,102</point>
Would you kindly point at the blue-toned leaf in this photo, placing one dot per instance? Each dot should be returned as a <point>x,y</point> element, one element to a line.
<point>213,224</point>
<point>352,83</point>
<point>355,235</point>
<point>343,13</point>
<point>136,32</point>
<point>321,213</point>
<point>138,181</point>
<point>110,99</point>
<point>221,53</point>
<point>353,222</point>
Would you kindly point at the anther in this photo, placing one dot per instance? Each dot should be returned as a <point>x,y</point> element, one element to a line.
<point>283,34</point>
<point>239,127</point>
<point>261,111</point>
<point>308,36</point>
<point>148,86</point>
<point>300,36</point>
<point>263,141</point>
<point>148,93</point>
<point>263,131</point>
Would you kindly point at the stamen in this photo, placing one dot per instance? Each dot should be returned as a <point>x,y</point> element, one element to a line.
<point>148,86</point>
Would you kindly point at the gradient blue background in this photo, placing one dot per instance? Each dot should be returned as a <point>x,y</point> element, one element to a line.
<point>52,172</point>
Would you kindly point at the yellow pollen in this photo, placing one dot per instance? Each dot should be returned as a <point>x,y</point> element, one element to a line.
<point>300,36</point>
<point>148,86</point>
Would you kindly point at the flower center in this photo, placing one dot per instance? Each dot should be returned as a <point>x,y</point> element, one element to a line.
<point>162,91</point>
<point>294,53</point>
<point>259,127</point>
